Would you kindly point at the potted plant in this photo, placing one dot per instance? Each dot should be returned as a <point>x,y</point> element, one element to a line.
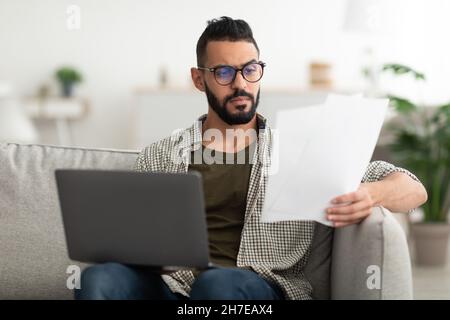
<point>67,77</point>
<point>422,144</point>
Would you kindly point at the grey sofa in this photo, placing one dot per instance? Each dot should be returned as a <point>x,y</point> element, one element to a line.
<point>33,258</point>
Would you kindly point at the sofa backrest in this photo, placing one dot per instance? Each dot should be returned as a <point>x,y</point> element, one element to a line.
<point>33,254</point>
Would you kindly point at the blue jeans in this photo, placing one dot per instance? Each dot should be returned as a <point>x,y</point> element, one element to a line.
<point>117,281</point>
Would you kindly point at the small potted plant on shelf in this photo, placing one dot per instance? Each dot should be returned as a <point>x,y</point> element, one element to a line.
<point>67,77</point>
<point>422,144</point>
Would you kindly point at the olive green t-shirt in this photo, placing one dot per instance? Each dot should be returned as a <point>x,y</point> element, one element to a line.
<point>225,183</point>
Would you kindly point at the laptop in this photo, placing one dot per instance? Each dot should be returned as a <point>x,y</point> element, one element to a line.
<point>147,219</point>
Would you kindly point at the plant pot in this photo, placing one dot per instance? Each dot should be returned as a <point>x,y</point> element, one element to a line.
<point>67,89</point>
<point>431,243</point>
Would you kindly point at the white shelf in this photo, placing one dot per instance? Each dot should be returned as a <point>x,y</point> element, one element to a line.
<point>56,108</point>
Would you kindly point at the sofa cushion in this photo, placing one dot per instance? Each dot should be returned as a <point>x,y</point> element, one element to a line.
<point>33,255</point>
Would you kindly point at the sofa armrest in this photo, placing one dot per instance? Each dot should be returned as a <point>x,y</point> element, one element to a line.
<point>371,260</point>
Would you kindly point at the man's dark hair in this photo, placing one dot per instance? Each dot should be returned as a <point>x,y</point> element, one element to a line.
<point>223,29</point>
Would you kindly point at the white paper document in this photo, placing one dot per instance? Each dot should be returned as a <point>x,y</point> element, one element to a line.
<point>320,152</point>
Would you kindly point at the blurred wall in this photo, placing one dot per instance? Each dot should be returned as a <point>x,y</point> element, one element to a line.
<point>123,44</point>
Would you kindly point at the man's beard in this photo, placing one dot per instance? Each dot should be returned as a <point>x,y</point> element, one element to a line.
<point>241,117</point>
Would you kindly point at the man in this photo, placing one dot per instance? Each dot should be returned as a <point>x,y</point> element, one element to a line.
<point>258,260</point>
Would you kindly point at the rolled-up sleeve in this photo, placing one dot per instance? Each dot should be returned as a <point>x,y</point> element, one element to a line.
<point>140,164</point>
<point>377,170</point>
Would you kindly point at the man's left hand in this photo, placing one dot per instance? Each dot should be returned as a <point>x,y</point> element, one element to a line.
<point>352,207</point>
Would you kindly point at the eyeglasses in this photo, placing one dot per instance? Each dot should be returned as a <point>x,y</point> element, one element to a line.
<point>224,75</point>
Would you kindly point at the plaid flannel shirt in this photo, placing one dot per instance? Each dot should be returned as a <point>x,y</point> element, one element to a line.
<point>278,251</point>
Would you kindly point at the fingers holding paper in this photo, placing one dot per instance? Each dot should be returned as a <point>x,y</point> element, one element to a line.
<point>352,207</point>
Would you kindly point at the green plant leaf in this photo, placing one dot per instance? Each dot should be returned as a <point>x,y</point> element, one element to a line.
<point>445,109</point>
<point>401,104</point>
<point>402,69</point>
<point>427,155</point>
<point>68,75</point>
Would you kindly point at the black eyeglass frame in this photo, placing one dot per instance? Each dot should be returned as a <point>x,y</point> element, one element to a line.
<point>236,70</point>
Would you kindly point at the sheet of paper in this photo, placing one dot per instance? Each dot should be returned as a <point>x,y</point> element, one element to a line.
<point>320,152</point>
